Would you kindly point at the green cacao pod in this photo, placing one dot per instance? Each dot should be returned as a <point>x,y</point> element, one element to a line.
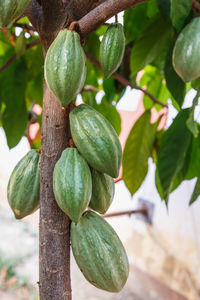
<point>186,54</point>
<point>112,49</point>
<point>10,10</point>
<point>96,140</point>
<point>65,67</point>
<point>23,190</point>
<point>99,253</point>
<point>103,189</point>
<point>72,183</point>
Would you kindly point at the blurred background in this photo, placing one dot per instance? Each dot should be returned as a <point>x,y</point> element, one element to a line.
<point>164,256</point>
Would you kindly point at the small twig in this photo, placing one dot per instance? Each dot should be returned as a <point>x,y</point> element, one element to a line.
<point>24,26</point>
<point>116,18</point>
<point>196,5</point>
<point>117,180</point>
<point>88,88</point>
<point>12,58</point>
<point>8,63</point>
<point>124,81</point>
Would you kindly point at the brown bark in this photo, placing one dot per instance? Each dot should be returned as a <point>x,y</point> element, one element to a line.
<point>54,224</point>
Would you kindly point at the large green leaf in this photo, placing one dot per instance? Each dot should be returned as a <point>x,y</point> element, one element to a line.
<point>155,85</point>
<point>196,191</point>
<point>164,6</point>
<point>109,89</point>
<point>35,74</point>
<point>180,10</point>
<point>172,152</point>
<point>134,21</point>
<point>174,83</point>
<point>110,113</point>
<point>137,150</point>
<point>12,94</point>
<point>137,18</point>
<point>148,46</point>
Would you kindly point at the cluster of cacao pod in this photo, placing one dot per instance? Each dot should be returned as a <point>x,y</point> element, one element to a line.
<point>83,176</point>
<point>186,54</point>
<point>65,63</point>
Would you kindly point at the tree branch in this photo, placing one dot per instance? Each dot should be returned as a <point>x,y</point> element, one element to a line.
<point>79,8</point>
<point>103,12</point>
<point>12,58</point>
<point>34,13</point>
<point>196,5</point>
<point>124,81</point>
<point>54,15</point>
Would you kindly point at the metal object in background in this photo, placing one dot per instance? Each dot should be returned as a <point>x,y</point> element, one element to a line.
<point>149,206</point>
<point>144,211</point>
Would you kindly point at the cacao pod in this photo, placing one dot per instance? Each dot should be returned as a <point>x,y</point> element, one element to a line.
<point>99,253</point>
<point>23,190</point>
<point>112,49</point>
<point>103,189</point>
<point>65,67</point>
<point>186,54</point>
<point>72,183</point>
<point>11,10</point>
<point>96,140</point>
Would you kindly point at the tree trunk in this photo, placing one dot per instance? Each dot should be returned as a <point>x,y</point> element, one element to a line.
<point>54,255</point>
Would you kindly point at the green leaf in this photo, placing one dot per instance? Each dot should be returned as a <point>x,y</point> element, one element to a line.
<point>180,10</point>
<point>172,152</point>
<point>109,89</point>
<point>196,192</point>
<point>92,75</point>
<point>158,184</point>
<point>12,93</point>
<point>101,30</point>
<point>196,84</point>
<point>152,9</point>
<point>110,113</point>
<point>148,46</point>
<point>194,159</point>
<point>20,46</point>
<point>135,21</point>
<point>137,150</point>
<point>89,98</point>
<point>164,7</point>
<point>153,81</point>
<point>175,84</point>
<point>34,90</point>
<point>137,18</point>
<point>92,44</point>
<point>191,124</point>
<point>34,61</point>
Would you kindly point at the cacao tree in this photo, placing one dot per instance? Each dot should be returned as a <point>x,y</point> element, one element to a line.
<point>156,51</point>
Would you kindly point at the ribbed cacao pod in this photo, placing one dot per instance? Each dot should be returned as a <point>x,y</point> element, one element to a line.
<point>99,253</point>
<point>112,49</point>
<point>103,189</point>
<point>11,10</point>
<point>65,67</point>
<point>96,140</point>
<point>72,183</point>
<point>186,54</point>
<point>23,190</point>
